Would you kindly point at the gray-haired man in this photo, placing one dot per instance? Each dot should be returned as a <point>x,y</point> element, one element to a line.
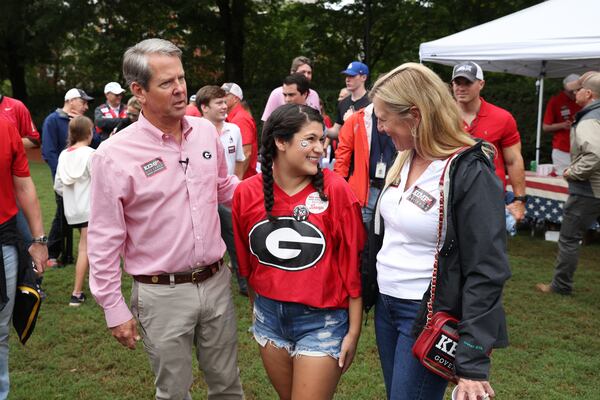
<point>155,205</point>
<point>583,174</point>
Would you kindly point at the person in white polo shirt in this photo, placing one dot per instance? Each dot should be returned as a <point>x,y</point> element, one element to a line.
<point>213,104</point>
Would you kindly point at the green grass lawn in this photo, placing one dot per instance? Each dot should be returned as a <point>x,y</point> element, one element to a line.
<point>553,353</point>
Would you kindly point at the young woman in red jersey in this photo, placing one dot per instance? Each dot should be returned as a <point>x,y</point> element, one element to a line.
<point>298,233</point>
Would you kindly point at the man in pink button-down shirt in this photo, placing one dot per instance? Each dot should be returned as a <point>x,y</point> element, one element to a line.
<point>155,190</point>
<point>300,65</point>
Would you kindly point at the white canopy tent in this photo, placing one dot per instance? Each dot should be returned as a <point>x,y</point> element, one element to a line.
<point>551,39</point>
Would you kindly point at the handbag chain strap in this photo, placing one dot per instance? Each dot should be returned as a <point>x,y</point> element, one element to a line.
<point>436,257</point>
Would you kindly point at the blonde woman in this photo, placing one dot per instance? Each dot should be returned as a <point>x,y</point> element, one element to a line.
<point>415,109</point>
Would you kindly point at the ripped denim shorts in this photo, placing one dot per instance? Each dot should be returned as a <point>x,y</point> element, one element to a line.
<point>300,329</point>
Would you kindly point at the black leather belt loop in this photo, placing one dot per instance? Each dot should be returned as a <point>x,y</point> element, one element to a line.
<point>195,276</point>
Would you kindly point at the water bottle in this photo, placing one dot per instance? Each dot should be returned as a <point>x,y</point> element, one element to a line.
<point>533,166</point>
<point>511,223</point>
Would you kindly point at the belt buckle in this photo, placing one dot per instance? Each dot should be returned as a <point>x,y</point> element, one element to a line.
<point>196,275</point>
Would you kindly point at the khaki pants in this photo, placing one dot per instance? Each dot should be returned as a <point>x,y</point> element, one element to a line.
<point>173,318</point>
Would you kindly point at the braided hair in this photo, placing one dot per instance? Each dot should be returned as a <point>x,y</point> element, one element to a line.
<point>283,124</point>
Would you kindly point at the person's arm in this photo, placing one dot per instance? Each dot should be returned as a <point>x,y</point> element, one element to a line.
<point>28,143</point>
<point>50,150</point>
<point>248,135</point>
<point>240,157</point>
<point>553,120</point>
<point>226,184</point>
<point>350,235</point>
<point>484,267</point>
<point>107,232</point>
<point>516,172</point>
<point>587,141</point>
<point>58,184</point>
<point>240,238</point>
<point>109,124</point>
<point>559,126</point>
<point>350,342</point>
<point>345,150</point>
<point>247,150</point>
<point>334,131</point>
<point>29,133</point>
<point>27,199</point>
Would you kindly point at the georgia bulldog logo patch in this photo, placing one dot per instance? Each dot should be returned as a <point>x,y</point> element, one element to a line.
<point>287,243</point>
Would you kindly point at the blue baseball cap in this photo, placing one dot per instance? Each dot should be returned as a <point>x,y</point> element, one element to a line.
<point>356,68</point>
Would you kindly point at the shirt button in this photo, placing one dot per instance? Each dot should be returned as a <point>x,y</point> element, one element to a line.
<point>189,180</point>
<point>193,208</point>
<point>197,237</point>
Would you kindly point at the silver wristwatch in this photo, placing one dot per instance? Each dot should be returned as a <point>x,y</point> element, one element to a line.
<point>40,239</point>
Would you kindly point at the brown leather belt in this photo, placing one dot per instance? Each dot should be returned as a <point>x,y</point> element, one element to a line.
<point>195,276</point>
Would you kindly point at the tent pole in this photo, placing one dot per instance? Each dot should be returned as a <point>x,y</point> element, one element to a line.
<point>539,115</point>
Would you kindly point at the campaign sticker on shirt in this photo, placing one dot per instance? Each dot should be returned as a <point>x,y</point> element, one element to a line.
<point>301,212</point>
<point>421,199</point>
<point>153,167</point>
<point>314,203</point>
<point>231,149</point>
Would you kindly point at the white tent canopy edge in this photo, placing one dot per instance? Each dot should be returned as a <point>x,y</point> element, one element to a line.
<point>536,42</point>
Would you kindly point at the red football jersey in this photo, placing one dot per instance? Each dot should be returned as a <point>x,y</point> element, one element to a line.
<point>311,253</point>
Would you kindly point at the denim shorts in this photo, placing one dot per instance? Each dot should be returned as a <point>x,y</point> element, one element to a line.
<point>299,329</point>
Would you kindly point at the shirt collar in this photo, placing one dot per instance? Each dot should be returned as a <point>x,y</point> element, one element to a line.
<point>483,108</point>
<point>234,111</point>
<point>157,134</point>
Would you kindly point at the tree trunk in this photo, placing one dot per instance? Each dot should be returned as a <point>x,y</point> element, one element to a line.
<point>16,73</point>
<point>232,16</point>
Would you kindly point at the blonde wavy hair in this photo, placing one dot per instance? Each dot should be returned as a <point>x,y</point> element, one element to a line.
<point>440,132</point>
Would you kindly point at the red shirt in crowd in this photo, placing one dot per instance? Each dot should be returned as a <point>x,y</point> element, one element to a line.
<point>17,114</point>
<point>192,111</point>
<point>313,261</point>
<point>245,122</point>
<point>561,108</point>
<point>497,126</point>
<point>13,162</point>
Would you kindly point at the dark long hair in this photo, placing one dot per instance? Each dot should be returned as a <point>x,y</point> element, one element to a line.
<point>283,124</point>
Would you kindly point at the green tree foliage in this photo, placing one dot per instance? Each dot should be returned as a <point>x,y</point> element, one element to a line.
<point>48,46</point>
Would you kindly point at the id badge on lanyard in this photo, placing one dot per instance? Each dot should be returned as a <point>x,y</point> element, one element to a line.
<point>380,168</point>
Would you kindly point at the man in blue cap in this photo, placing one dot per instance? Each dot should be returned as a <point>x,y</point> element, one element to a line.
<point>356,78</point>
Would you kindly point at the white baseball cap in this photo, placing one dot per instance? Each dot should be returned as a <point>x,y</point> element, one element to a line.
<point>75,93</point>
<point>234,89</point>
<point>113,87</point>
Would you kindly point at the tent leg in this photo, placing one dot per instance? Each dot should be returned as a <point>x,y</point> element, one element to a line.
<point>539,121</point>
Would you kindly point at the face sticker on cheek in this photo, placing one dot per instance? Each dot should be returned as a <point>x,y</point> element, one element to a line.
<point>304,143</point>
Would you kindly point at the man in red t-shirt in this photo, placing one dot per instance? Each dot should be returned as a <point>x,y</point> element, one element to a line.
<point>560,112</point>
<point>16,185</point>
<point>495,125</point>
<point>15,112</point>
<point>242,118</point>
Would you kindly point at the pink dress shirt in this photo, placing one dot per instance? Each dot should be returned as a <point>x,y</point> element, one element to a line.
<point>276,99</point>
<point>156,213</point>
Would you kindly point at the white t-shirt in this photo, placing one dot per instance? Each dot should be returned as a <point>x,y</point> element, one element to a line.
<point>231,139</point>
<point>405,261</point>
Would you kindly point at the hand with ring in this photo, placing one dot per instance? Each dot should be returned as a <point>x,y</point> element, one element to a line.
<point>468,389</point>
